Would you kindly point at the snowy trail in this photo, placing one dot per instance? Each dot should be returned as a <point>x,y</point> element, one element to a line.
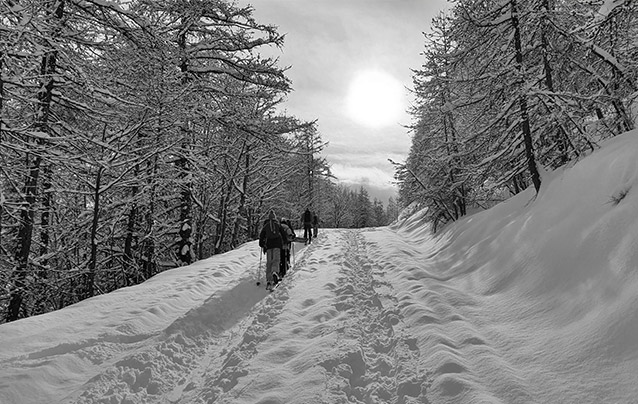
<point>355,325</point>
<point>332,322</point>
<point>332,332</point>
<point>349,324</point>
<point>464,358</point>
<point>382,361</point>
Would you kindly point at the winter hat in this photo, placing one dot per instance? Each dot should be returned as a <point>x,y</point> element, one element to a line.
<point>272,215</point>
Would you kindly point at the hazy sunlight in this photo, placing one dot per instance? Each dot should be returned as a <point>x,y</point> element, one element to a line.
<point>375,99</point>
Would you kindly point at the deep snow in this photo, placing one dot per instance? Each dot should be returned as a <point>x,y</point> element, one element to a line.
<point>532,301</point>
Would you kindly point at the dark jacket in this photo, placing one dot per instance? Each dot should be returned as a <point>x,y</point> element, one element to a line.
<point>306,218</point>
<point>275,242</point>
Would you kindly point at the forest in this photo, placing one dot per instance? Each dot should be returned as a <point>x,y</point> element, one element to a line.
<point>142,135</point>
<point>511,89</point>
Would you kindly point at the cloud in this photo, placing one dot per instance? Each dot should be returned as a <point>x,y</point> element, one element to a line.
<point>327,43</point>
<point>356,174</point>
<point>378,182</point>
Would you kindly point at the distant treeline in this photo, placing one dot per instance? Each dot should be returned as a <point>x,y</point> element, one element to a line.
<point>343,207</point>
<point>510,88</point>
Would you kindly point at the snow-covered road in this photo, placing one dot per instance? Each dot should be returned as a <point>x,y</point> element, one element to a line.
<point>331,332</point>
<point>366,316</point>
<point>351,323</point>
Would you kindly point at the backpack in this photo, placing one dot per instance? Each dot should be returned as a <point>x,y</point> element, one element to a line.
<point>290,235</point>
<point>272,229</point>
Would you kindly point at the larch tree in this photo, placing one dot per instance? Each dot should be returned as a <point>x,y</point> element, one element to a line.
<point>34,136</point>
<point>510,86</point>
<point>119,112</point>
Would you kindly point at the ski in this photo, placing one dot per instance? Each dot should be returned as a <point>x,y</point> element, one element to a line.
<point>275,284</point>
<point>273,287</point>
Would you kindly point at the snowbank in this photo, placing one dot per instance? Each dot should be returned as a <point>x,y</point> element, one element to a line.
<point>556,280</point>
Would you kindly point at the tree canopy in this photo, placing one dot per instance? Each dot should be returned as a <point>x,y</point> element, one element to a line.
<point>508,89</point>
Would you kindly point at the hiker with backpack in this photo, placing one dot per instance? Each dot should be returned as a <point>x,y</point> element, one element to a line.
<point>306,219</point>
<point>285,250</point>
<point>315,225</point>
<point>271,239</point>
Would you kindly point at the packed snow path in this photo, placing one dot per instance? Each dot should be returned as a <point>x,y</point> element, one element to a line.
<point>365,316</point>
<point>349,324</point>
<point>331,332</point>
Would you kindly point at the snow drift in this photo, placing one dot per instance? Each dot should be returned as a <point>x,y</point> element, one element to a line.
<point>532,301</point>
<point>553,280</point>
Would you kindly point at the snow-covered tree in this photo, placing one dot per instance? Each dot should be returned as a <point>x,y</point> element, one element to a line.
<point>509,86</point>
<point>118,120</point>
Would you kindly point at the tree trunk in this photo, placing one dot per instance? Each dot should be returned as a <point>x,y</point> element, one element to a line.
<point>23,241</point>
<point>27,212</point>
<point>129,261</point>
<point>184,252</point>
<point>132,218</point>
<point>45,218</point>
<point>241,210</point>
<point>2,251</point>
<point>222,213</point>
<point>522,100</point>
<point>89,288</point>
<point>185,230</point>
<point>311,196</point>
<point>148,243</point>
<point>561,138</point>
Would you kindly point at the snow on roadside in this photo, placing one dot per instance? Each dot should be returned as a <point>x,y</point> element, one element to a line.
<point>534,300</point>
<point>48,357</point>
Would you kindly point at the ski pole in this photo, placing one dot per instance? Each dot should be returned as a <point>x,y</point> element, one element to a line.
<point>259,270</point>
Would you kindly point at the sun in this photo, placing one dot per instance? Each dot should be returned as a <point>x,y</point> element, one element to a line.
<point>375,99</point>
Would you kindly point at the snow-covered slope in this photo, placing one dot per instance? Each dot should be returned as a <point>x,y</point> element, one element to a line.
<point>536,300</point>
<point>533,301</point>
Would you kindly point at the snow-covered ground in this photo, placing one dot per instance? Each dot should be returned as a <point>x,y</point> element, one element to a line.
<point>533,301</point>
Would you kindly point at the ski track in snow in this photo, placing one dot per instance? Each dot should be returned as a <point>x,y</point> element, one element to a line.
<point>212,354</point>
<point>371,340</point>
<point>373,363</point>
<point>453,337</point>
<point>171,363</point>
<point>393,345</point>
<point>349,324</point>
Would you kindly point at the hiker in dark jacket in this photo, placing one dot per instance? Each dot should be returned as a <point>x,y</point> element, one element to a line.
<point>315,225</point>
<point>285,250</point>
<point>306,219</point>
<point>271,240</point>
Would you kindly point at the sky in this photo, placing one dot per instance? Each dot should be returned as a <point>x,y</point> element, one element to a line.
<point>531,301</point>
<point>329,44</point>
